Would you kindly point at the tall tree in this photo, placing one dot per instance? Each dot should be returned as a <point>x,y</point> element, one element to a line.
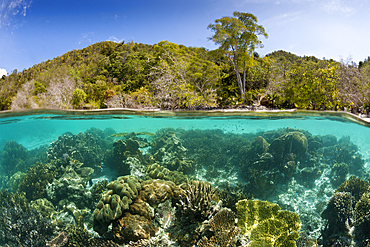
<point>238,37</point>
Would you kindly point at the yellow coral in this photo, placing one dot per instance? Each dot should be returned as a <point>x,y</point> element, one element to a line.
<point>266,225</point>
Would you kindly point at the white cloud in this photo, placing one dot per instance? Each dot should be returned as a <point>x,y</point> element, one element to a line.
<point>3,72</point>
<point>115,39</point>
<point>10,8</point>
<point>86,38</point>
<point>338,6</point>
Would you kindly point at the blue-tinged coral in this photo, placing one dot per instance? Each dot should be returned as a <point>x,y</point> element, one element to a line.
<point>19,227</point>
<point>35,181</point>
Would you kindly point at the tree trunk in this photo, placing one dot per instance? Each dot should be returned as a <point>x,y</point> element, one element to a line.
<point>238,77</point>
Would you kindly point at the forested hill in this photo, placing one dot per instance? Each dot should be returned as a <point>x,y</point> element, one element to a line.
<point>171,76</point>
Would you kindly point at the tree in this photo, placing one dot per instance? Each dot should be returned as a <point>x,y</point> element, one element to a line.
<point>238,37</point>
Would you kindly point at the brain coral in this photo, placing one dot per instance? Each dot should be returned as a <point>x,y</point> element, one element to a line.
<point>112,204</point>
<point>267,225</point>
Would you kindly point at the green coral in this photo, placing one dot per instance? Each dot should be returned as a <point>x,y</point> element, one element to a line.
<point>156,171</point>
<point>78,237</point>
<point>266,225</point>
<point>356,186</point>
<point>13,158</point>
<point>35,181</point>
<point>44,207</point>
<point>115,201</point>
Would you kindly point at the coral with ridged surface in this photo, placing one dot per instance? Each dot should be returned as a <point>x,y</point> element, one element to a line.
<point>266,225</point>
<point>115,201</point>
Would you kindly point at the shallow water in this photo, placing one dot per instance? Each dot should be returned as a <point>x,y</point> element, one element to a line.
<point>35,130</point>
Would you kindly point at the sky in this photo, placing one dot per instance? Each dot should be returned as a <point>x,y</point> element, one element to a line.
<point>33,31</point>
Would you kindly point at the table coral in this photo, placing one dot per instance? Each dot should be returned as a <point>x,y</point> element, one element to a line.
<point>266,225</point>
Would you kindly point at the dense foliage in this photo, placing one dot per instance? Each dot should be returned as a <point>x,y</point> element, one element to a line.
<point>171,76</point>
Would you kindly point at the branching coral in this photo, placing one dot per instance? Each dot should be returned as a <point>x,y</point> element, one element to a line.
<point>35,181</point>
<point>196,201</point>
<point>20,227</point>
<point>266,225</point>
<point>224,229</point>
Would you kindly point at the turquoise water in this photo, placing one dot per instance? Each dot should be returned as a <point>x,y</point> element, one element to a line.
<point>35,130</point>
<point>295,166</point>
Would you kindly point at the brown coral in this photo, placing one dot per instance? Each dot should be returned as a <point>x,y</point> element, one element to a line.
<point>132,228</point>
<point>115,201</point>
<point>225,231</point>
<point>157,191</point>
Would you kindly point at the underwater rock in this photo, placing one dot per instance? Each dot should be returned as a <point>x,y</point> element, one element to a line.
<point>115,201</point>
<point>266,225</point>
<point>132,228</point>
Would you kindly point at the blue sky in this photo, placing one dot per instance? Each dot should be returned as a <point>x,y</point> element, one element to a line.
<point>32,31</point>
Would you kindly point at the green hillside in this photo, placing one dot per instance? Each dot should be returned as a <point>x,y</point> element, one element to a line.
<point>171,76</point>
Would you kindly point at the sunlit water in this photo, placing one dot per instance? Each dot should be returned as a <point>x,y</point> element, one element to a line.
<point>34,130</point>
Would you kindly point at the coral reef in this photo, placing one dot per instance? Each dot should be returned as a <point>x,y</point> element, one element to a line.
<point>112,204</point>
<point>266,225</point>
<point>157,191</point>
<point>58,241</point>
<point>102,242</point>
<point>132,228</point>
<point>123,149</point>
<point>168,151</point>
<point>35,181</point>
<point>77,237</point>
<point>16,199</point>
<point>44,207</point>
<point>13,158</point>
<point>69,188</point>
<point>156,171</point>
<point>223,227</point>
<point>362,220</point>
<point>20,227</point>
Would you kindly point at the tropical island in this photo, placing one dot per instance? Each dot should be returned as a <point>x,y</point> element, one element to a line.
<point>172,76</point>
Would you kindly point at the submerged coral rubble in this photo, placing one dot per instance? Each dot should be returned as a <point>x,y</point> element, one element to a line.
<point>185,188</point>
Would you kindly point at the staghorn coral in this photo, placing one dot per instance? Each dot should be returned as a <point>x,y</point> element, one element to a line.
<point>115,201</point>
<point>266,225</point>
<point>156,171</point>
<point>223,227</point>
<point>20,227</point>
<point>35,181</point>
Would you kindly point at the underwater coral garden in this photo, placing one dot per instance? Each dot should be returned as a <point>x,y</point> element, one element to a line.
<point>180,187</point>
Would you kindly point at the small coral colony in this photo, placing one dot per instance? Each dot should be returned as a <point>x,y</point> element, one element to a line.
<point>180,187</point>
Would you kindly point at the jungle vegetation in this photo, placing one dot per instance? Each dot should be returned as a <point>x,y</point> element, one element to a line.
<point>171,76</point>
